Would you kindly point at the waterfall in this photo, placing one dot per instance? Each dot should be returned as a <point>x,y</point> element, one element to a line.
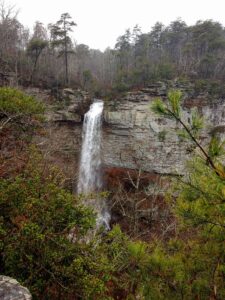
<point>90,173</point>
<point>90,177</point>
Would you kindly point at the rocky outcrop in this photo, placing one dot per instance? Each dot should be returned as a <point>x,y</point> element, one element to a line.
<point>134,137</point>
<point>60,139</point>
<point>67,105</point>
<point>71,107</point>
<point>10,289</point>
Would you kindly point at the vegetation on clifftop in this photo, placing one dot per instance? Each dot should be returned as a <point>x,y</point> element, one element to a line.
<point>48,57</point>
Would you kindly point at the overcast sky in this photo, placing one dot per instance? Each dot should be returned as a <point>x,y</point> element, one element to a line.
<point>100,22</point>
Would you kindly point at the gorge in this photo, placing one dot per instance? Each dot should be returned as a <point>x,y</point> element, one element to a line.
<point>135,141</point>
<point>119,198</point>
<point>145,229</point>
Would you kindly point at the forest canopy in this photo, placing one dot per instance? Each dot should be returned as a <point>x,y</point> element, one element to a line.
<point>50,57</point>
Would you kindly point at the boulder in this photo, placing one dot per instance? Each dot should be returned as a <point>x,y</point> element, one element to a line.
<point>10,289</point>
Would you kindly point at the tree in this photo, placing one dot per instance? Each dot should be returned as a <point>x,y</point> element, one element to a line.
<point>34,49</point>
<point>36,45</point>
<point>10,36</point>
<point>175,38</point>
<point>87,78</point>
<point>123,47</point>
<point>191,265</point>
<point>173,111</point>
<point>82,54</point>
<point>60,38</point>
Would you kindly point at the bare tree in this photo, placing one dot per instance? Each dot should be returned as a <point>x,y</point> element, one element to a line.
<point>141,207</point>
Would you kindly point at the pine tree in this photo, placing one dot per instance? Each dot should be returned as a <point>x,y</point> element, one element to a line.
<point>192,265</point>
<point>60,38</point>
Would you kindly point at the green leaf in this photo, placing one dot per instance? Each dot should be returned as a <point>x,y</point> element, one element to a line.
<point>159,107</point>
<point>216,147</point>
<point>174,97</point>
<point>197,122</point>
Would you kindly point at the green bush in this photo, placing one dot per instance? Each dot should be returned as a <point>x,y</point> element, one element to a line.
<point>37,215</point>
<point>18,108</point>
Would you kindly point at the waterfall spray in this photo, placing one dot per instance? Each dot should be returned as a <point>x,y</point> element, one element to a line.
<point>90,173</point>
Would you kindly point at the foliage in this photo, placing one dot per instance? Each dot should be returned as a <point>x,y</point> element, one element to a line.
<point>18,108</point>
<point>34,50</point>
<point>37,216</point>
<point>14,101</point>
<point>36,45</point>
<point>127,261</point>
<point>192,265</point>
<point>216,148</point>
<point>173,109</point>
<point>165,52</point>
<point>60,38</point>
<point>165,71</point>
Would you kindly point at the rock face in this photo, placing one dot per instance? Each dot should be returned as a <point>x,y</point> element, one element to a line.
<point>60,139</point>
<point>10,289</point>
<point>134,137</point>
<point>71,108</point>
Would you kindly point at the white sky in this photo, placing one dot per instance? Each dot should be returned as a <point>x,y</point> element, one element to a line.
<point>100,22</point>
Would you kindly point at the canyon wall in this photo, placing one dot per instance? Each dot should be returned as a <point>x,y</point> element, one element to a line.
<point>61,137</point>
<point>133,136</point>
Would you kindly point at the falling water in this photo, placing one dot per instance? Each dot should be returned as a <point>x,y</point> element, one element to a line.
<point>90,174</point>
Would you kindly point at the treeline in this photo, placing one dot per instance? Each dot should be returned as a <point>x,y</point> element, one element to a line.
<point>45,57</point>
<point>49,57</point>
<point>177,50</point>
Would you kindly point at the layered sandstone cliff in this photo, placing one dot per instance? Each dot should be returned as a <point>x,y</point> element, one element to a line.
<point>134,137</point>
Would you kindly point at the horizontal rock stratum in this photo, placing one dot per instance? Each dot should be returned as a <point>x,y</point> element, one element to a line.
<point>134,137</point>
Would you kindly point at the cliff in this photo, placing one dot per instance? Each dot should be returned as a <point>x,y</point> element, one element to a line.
<point>61,137</point>
<point>134,137</point>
